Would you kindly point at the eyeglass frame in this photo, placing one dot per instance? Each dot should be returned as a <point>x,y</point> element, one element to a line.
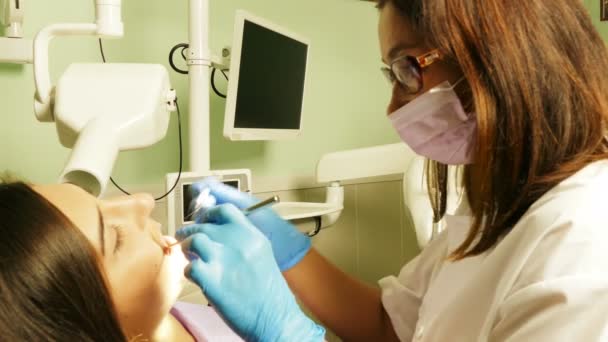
<point>418,63</point>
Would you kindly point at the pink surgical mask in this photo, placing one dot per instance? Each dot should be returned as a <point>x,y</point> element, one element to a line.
<point>436,126</point>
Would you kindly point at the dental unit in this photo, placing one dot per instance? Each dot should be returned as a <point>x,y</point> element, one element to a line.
<point>128,106</point>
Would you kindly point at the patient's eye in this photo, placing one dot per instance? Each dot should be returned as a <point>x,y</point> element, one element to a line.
<point>120,237</point>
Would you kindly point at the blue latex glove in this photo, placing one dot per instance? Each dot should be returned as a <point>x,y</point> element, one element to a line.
<point>239,276</point>
<point>289,245</point>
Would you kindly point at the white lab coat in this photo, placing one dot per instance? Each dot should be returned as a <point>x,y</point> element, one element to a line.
<point>547,280</point>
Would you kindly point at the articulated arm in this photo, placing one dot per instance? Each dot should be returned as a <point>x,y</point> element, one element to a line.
<point>108,24</point>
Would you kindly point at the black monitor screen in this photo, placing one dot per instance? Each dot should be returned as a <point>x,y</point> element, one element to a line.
<point>189,197</point>
<point>271,80</point>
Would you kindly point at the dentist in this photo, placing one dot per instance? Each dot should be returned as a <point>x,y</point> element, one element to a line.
<point>515,93</point>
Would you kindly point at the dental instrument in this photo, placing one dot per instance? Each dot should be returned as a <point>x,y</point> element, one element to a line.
<point>264,203</point>
<point>205,195</point>
<point>205,198</point>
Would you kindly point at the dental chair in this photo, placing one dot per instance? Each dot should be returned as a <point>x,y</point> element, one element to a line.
<point>390,163</point>
<point>417,202</point>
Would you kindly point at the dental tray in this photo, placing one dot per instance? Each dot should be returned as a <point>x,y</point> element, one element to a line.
<point>300,210</point>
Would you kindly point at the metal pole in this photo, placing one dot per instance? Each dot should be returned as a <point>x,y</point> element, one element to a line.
<point>199,61</point>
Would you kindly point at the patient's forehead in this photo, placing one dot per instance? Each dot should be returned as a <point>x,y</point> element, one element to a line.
<point>78,205</point>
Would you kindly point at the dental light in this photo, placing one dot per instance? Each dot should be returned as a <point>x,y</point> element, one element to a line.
<point>100,109</point>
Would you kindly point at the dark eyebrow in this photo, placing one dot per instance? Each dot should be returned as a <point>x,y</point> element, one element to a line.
<point>395,50</point>
<point>102,232</point>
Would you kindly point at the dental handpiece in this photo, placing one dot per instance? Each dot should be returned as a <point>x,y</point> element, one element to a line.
<point>247,211</point>
<point>269,201</point>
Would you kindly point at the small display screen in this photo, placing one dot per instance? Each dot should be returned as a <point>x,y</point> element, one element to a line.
<point>271,80</point>
<point>189,198</point>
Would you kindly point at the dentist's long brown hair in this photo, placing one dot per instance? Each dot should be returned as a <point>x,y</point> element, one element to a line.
<point>538,72</point>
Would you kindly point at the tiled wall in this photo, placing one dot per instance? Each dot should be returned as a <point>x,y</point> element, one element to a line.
<point>374,236</point>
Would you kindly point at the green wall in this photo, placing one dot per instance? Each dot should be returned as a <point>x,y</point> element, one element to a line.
<point>594,9</point>
<point>344,105</point>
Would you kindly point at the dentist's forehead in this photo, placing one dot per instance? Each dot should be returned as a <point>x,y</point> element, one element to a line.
<point>396,35</point>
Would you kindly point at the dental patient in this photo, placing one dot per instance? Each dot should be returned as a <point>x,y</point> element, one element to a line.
<point>75,268</point>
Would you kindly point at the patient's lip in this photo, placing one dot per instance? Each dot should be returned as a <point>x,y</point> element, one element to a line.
<point>157,237</point>
<point>169,239</point>
<point>170,242</point>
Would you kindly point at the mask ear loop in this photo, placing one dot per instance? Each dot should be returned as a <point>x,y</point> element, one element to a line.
<point>446,86</point>
<point>468,107</point>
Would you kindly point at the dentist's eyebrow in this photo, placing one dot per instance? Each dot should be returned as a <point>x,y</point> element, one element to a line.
<point>102,232</point>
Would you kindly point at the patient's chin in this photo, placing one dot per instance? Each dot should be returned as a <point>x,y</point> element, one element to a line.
<point>173,271</point>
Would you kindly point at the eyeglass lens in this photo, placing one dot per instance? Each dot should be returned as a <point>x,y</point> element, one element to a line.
<point>407,72</point>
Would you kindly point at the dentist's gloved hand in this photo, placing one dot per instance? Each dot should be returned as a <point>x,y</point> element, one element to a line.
<point>289,245</point>
<point>239,276</point>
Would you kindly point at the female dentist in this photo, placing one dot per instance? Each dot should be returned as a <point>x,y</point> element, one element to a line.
<point>515,92</point>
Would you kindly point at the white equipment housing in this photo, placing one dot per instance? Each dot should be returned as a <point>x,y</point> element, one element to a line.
<point>101,109</point>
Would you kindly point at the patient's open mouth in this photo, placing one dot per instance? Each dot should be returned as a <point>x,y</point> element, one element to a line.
<point>169,243</point>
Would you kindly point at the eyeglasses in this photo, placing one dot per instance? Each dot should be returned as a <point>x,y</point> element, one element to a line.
<point>407,70</point>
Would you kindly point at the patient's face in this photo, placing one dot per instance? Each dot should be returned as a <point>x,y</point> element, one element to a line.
<point>144,281</point>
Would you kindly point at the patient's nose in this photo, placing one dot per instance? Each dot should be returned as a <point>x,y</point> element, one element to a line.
<point>143,205</point>
<point>136,208</point>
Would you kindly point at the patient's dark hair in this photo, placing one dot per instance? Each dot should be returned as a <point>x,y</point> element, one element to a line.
<point>52,284</point>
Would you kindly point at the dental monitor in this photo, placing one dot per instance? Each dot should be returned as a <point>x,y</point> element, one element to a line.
<point>267,80</point>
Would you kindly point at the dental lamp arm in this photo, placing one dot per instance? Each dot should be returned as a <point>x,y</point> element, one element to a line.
<point>108,25</point>
<point>42,78</point>
<point>12,17</point>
